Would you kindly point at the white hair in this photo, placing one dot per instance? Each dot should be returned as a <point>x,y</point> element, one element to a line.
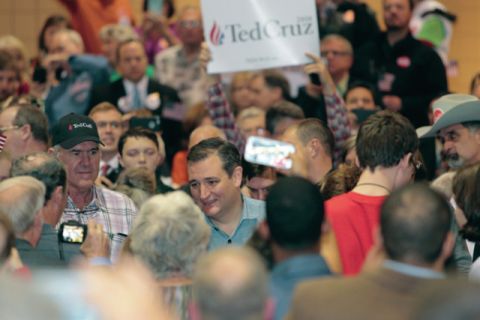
<point>337,37</point>
<point>169,234</point>
<point>21,198</point>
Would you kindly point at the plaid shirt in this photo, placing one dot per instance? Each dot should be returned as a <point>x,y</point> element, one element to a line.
<point>113,210</point>
<point>337,121</point>
<point>222,116</point>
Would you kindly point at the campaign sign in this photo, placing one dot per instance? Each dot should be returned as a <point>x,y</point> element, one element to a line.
<point>259,34</point>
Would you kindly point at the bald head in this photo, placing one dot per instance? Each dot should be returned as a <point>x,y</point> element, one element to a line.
<point>415,221</point>
<point>203,133</point>
<point>231,283</point>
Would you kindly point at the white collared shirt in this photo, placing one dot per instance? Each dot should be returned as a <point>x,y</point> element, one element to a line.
<point>112,163</point>
<point>141,85</point>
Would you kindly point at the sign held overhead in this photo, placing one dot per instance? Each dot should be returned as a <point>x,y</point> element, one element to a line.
<point>259,34</point>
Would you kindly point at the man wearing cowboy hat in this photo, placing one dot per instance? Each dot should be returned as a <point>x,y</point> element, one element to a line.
<point>457,125</point>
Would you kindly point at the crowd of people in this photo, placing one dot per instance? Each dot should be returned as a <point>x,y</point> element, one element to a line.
<point>123,176</point>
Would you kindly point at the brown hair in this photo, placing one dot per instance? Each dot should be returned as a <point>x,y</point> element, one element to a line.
<point>340,181</point>
<point>102,107</point>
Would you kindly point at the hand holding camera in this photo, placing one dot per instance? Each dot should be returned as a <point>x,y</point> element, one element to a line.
<point>97,242</point>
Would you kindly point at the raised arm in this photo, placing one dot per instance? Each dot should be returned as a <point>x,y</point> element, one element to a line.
<point>218,105</point>
<point>337,119</point>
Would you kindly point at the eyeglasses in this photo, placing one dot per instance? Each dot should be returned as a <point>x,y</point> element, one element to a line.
<point>7,128</point>
<point>334,53</point>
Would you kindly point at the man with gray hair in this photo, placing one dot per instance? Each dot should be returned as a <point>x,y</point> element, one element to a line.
<point>51,173</point>
<point>76,145</point>
<point>456,125</point>
<point>25,128</point>
<point>22,199</point>
<point>230,283</point>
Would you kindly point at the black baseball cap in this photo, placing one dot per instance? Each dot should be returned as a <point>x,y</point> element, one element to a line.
<point>73,129</point>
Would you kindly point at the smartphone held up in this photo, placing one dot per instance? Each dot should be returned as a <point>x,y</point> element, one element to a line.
<point>269,152</point>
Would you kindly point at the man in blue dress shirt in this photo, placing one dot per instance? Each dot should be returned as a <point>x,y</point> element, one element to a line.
<point>293,225</point>
<point>215,177</point>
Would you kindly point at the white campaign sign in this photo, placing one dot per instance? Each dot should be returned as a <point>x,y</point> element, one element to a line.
<point>259,34</point>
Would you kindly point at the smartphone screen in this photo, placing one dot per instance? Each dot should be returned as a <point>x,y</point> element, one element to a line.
<point>315,79</point>
<point>269,152</point>
<point>73,234</point>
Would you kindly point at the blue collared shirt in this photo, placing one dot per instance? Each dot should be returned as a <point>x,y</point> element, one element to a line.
<point>253,213</point>
<point>413,271</point>
<point>287,274</point>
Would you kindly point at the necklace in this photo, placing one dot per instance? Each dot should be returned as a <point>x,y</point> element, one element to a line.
<point>373,184</point>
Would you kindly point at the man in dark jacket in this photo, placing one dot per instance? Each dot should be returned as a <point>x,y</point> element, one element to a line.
<point>407,74</point>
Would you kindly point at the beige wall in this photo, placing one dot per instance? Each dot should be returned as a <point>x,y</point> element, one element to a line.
<point>24,18</point>
<point>465,46</point>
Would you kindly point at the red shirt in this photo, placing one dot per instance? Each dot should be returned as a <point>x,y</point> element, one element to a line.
<point>89,16</point>
<point>354,219</point>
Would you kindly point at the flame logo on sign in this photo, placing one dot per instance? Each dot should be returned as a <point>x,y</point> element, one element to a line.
<point>216,35</point>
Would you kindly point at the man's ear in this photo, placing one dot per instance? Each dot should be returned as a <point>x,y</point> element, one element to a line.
<point>26,131</point>
<point>269,309</point>
<point>405,162</point>
<point>237,176</point>
<point>357,162</point>
<point>58,194</point>
<point>448,245</point>
<point>314,148</point>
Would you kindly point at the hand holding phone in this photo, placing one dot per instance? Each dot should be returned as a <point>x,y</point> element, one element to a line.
<point>269,152</point>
